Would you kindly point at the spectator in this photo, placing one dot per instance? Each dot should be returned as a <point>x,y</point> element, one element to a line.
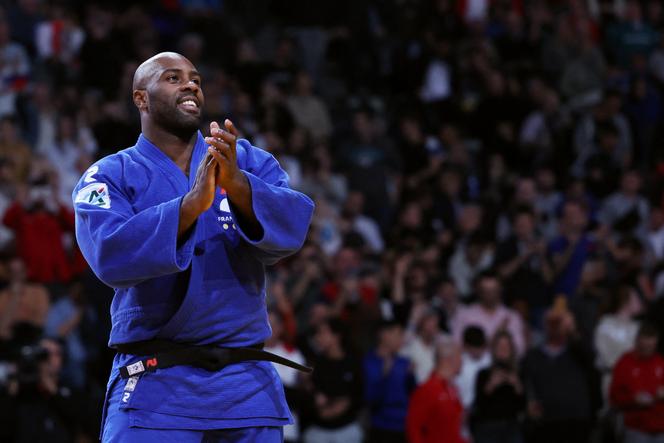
<point>43,408</point>
<point>602,169</point>
<point>637,388</point>
<point>590,299</point>
<point>39,221</point>
<point>656,233</point>
<point>435,413</point>
<point>420,345</point>
<point>500,396</point>
<point>336,390</point>
<point>521,262</point>
<point>627,211</point>
<point>446,303</point>
<point>73,147</point>
<point>474,358</point>
<point>605,114</point>
<point>71,320</point>
<point>490,314</point>
<point>352,218</point>
<point>631,36</point>
<point>308,110</point>
<point>616,331</point>
<point>569,251</point>
<point>59,39</point>
<point>289,376</point>
<point>369,161</point>
<point>14,71</point>
<point>470,260</point>
<point>21,302</point>
<point>14,150</point>
<point>388,382</point>
<point>560,383</point>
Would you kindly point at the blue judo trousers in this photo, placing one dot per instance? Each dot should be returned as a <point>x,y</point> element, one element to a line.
<point>206,288</point>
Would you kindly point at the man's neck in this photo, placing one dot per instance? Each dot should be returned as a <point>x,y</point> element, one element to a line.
<point>175,147</point>
<point>445,373</point>
<point>490,308</point>
<point>384,351</point>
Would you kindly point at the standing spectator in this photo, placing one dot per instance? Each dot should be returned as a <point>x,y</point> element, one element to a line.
<point>420,346</point>
<point>289,376</point>
<point>631,36</point>
<point>336,389</point>
<point>14,69</point>
<point>388,382</point>
<point>490,314</point>
<point>637,388</point>
<point>70,320</point>
<point>435,414</point>
<point>627,211</point>
<point>59,38</point>
<point>547,202</point>
<point>569,251</point>
<point>21,302</point>
<point>14,150</point>
<point>606,113</point>
<point>470,259</point>
<point>656,234</point>
<point>39,221</point>
<point>72,148</point>
<point>521,262</point>
<point>308,110</point>
<point>560,384</point>
<point>617,329</point>
<point>474,358</point>
<point>500,396</point>
<point>355,222</point>
<point>369,161</point>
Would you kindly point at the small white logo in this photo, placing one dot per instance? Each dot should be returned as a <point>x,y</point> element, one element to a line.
<point>136,368</point>
<point>94,194</point>
<point>89,175</point>
<point>131,384</point>
<point>223,206</point>
<point>125,397</point>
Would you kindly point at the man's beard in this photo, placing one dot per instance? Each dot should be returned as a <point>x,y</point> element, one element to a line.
<point>174,121</point>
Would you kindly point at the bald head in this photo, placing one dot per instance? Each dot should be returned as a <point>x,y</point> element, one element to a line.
<point>167,92</point>
<point>447,357</point>
<point>151,67</point>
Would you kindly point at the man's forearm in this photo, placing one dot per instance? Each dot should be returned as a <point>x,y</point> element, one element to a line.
<point>239,196</point>
<point>189,212</point>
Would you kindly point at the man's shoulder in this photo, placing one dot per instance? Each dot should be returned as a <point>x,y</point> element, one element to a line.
<point>112,166</point>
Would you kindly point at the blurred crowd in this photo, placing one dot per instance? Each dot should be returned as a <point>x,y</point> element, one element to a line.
<point>486,259</point>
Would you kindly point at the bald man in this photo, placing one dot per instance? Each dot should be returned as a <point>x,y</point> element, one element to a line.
<point>435,413</point>
<point>182,227</point>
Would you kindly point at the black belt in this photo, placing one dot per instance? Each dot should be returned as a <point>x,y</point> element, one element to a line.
<point>161,354</point>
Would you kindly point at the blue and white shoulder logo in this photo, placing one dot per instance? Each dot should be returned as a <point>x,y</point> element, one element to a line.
<point>94,194</point>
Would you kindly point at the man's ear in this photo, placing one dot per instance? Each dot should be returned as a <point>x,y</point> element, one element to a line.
<point>140,97</point>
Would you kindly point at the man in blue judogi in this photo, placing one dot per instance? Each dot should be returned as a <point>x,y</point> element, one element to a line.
<point>182,226</point>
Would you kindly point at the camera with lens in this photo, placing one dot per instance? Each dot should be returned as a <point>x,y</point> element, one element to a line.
<point>27,364</point>
<point>23,367</point>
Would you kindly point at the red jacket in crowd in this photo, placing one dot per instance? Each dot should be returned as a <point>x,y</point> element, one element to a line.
<point>39,241</point>
<point>435,413</point>
<point>633,375</point>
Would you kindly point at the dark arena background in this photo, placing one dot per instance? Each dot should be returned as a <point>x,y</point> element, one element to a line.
<point>486,258</point>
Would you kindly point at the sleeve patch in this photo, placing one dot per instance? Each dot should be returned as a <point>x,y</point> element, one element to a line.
<point>94,194</point>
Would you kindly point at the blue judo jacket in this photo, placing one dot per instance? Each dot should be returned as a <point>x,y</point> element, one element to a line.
<point>207,288</point>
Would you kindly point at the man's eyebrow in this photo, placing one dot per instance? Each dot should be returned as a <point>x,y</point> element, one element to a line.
<point>178,70</point>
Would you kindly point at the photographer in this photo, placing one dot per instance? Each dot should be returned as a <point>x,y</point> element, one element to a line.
<point>34,403</point>
<point>39,220</point>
